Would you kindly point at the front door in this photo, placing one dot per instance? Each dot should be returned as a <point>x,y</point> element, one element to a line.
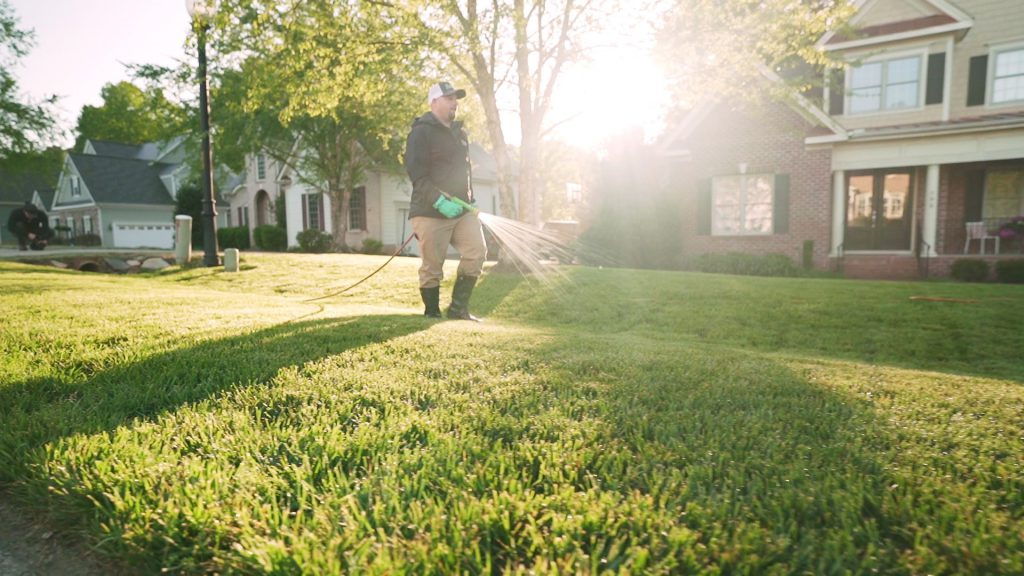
<point>879,210</point>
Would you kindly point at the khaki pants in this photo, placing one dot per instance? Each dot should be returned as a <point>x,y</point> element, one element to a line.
<point>435,234</point>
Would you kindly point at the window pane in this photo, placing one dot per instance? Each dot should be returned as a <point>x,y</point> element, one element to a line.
<point>903,70</point>
<point>895,195</point>
<point>726,191</point>
<point>1004,194</point>
<point>858,208</point>
<point>759,190</point>
<point>865,100</point>
<point>1008,89</point>
<point>901,96</point>
<point>725,200</point>
<point>726,220</point>
<point>1010,63</point>
<point>866,75</point>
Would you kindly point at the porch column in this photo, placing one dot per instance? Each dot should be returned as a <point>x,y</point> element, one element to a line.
<point>930,226</point>
<point>838,211</point>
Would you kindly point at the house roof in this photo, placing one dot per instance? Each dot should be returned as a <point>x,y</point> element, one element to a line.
<point>893,28</point>
<point>116,180</point>
<point>961,124</point>
<point>16,187</point>
<point>145,151</point>
<point>115,149</point>
<point>935,17</point>
<point>46,197</point>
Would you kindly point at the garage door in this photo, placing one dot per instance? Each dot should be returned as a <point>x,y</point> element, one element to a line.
<point>143,235</point>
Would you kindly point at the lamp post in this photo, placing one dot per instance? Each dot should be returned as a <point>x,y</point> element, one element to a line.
<point>200,11</point>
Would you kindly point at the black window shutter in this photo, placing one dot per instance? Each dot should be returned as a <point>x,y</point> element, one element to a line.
<point>320,211</point>
<point>836,92</point>
<point>976,80</point>
<point>305,212</point>
<point>936,78</point>
<point>974,194</point>
<point>780,208</point>
<point>704,207</point>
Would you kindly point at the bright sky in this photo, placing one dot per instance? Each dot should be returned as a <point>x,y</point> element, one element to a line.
<point>81,45</point>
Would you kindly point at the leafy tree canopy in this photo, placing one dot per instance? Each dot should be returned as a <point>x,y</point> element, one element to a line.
<point>724,47</point>
<point>24,125</point>
<point>131,115</point>
<point>346,77</point>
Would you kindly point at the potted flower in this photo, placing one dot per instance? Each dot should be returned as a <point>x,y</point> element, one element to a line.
<point>1012,229</point>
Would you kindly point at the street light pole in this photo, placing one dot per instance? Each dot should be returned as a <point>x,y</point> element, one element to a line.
<point>200,10</point>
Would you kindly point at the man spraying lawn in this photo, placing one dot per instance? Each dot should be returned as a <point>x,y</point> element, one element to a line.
<point>441,211</point>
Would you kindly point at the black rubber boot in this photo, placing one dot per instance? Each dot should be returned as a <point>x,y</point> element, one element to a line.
<point>463,289</point>
<point>431,301</point>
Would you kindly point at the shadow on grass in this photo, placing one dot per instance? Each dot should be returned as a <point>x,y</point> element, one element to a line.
<point>768,471</point>
<point>42,410</point>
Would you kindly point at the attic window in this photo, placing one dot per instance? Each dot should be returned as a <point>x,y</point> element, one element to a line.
<point>76,186</point>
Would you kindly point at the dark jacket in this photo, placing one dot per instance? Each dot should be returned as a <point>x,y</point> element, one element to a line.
<point>19,224</point>
<point>436,159</point>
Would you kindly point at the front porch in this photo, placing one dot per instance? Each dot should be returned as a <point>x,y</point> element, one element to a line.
<point>914,222</point>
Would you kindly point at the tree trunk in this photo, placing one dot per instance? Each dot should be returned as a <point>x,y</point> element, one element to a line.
<point>339,215</point>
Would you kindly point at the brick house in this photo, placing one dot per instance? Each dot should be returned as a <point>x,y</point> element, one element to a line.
<point>749,184</point>
<point>920,132</point>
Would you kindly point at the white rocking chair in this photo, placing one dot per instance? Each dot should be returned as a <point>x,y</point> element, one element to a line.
<point>979,231</point>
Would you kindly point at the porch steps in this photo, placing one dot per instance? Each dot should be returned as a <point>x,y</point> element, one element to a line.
<point>881,267</point>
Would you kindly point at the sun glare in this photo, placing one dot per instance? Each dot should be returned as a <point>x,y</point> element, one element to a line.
<point>620,88</point>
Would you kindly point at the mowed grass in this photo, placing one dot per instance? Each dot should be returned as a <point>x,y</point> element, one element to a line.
<point>194,421</point>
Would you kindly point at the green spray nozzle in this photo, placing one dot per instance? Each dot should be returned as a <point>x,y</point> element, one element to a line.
<point>466,205</point>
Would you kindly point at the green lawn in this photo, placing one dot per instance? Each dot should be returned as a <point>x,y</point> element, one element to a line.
<point>621,421</point>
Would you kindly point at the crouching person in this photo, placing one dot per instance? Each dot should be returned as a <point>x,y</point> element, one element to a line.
<point>30,226</point>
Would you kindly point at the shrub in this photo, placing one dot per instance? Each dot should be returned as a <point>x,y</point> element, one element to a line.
<point>88,240</point>
<point>746,264</point>
<point>271,237</point>
<point>1010,271</point>
<point>234,237</point>
<point>315,241</point>
<point>372,246</point>
<point>969,270</point>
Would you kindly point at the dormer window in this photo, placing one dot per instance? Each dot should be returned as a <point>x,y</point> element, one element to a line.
<point>1008,76</point>
<point>881,85</point>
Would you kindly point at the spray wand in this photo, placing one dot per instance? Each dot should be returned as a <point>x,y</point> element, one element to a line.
<point>465,205</point>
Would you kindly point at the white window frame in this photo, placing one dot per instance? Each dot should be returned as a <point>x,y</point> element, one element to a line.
<point>261,167</point>
<point>716,228</point>
<point>313,209</point>
<point>884,59</point>
<point>990,87</point>
<point>76,186</point>
<point>87,224</point>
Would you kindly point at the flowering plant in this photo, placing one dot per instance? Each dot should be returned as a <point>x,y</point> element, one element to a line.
<point>1013,228</point>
